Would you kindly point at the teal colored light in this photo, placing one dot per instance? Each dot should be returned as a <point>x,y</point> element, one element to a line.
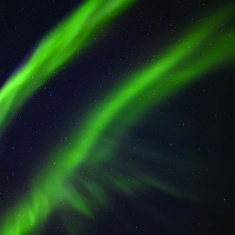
<point>162,78</point>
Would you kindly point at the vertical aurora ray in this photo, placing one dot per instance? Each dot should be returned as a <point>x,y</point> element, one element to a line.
<point>49,189</point>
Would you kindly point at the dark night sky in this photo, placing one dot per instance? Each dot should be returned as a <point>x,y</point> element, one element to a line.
<point>197,122</point>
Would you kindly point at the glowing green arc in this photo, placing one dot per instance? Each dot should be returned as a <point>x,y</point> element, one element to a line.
<point>49,187</point>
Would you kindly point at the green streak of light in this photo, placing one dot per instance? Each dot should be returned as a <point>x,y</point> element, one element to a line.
<point>50,187</point>
<point>68,39</point>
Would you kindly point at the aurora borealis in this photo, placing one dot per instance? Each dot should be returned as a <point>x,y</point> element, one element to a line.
<point>58,183</point>
<point>70,37</point>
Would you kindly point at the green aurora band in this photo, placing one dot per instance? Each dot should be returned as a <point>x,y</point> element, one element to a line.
<point>153,83</point>
<point>70,37</point>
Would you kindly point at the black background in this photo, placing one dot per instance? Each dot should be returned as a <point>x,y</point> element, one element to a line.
<point>200,117</point>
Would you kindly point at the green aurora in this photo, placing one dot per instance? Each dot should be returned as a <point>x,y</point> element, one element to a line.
<point>154,82</point>
<point>70,37</point>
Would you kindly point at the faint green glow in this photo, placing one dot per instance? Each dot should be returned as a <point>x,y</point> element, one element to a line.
<point>162,78</point>
<point>69,38</point>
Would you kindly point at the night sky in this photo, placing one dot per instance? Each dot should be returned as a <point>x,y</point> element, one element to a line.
<point>191,132</point>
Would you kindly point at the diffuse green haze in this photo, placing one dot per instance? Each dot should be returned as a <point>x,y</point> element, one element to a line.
<point>221,52</point>
<point>54,51</point>
<point>52,187</point>
<point>71,36</point>
<point>141,81</point>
